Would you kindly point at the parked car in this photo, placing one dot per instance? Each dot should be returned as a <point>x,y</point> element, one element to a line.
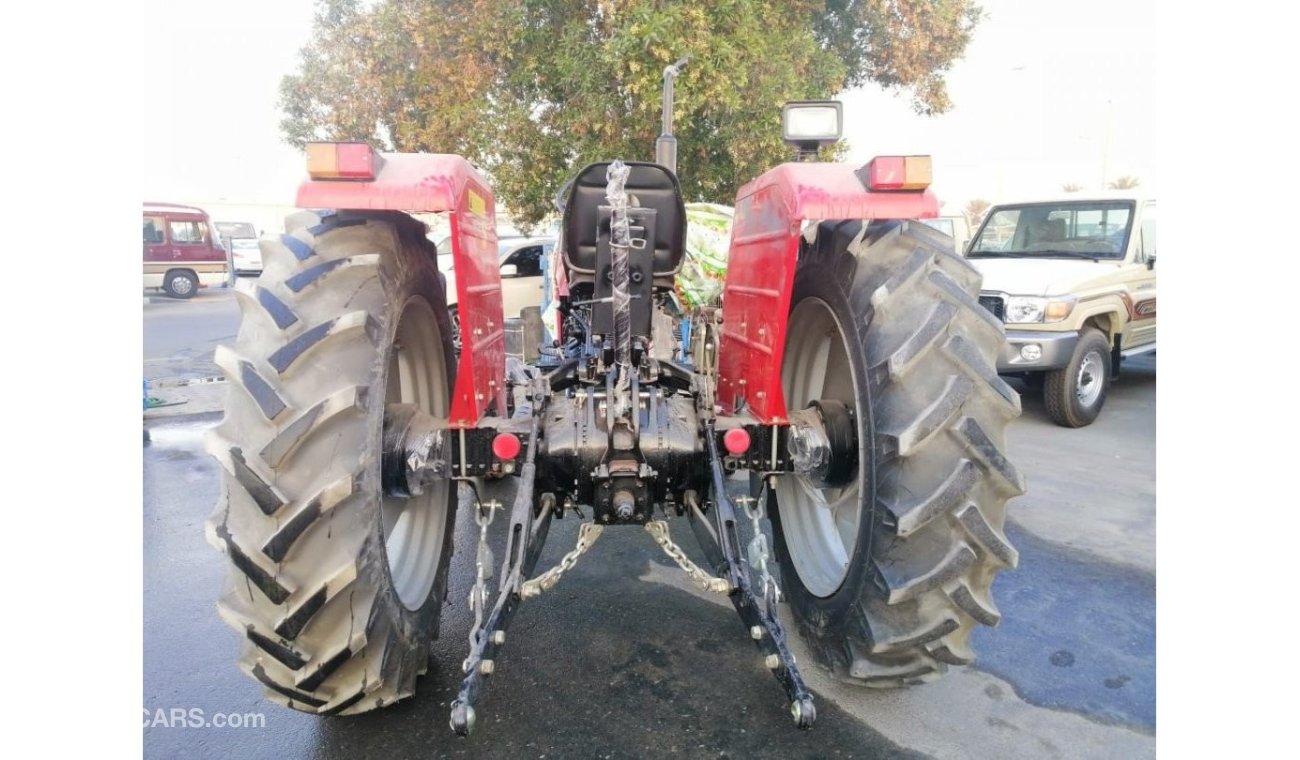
<point>1074,281</point>
<point>521,261</point>
<point>246,255</point>
<point>443,244</point>
<point>954,227</point>
<point>181,250</point>
<point>231,230</point>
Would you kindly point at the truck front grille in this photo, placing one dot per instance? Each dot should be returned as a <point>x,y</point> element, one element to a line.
<point>994,304</point>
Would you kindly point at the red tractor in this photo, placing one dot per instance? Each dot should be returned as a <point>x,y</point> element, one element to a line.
<point>851,375</point>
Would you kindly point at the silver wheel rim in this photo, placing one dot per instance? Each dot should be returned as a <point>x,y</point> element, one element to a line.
<point>1092,374</point>
<point>181,285</point>
<point>414,528</point>
<point>820,525</point>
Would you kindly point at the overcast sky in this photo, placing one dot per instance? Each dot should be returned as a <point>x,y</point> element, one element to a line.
<point>1049,92</point>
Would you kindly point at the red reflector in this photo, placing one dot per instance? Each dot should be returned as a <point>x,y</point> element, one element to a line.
<point>355,161</point>
<point>736,441</point>
<point>506,446</point>
<point>886,173</point>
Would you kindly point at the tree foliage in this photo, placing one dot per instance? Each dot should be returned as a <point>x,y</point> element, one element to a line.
<point>975,211</point>
<point>531,90</point>
<point>1124,183</point>
<point>1071,187</point>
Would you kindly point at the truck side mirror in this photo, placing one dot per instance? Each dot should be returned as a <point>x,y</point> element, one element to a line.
<point>509,270</point>
<point>1151,261</point>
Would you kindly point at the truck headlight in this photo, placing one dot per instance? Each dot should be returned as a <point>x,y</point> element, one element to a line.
<point>1024,309</point>
<point>1029,309</point>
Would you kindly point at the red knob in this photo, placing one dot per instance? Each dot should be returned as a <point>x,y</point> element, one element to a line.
<point>506,446</point>
<point>736,441</point>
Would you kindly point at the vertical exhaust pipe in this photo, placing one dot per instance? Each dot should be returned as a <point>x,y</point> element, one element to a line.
<point>666,144</point>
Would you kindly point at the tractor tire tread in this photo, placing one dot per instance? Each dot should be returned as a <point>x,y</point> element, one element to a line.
<point>308,585</point>
<point>940,414</point>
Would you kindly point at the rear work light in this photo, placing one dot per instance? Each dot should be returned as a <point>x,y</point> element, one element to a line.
<point>891,173</point>
<point>350,161</point>
<point>812,124</point>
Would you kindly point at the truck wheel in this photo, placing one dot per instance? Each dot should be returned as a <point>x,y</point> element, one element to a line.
<point>1074,395</point>
<point>181,284</point>
<point>335,586</point>
<point>888,574</point>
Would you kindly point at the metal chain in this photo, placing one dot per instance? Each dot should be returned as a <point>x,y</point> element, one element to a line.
<point>757,511</point>
<point>587,535</point>
<point>658,529</point>
<point>483,562</point>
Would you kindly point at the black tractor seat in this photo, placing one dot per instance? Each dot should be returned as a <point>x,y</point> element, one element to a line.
<point>649,186</point>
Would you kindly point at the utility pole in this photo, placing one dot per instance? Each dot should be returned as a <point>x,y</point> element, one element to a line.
<point>1105,149</point>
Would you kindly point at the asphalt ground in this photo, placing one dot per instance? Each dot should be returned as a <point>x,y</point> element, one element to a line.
<point>626,659</point>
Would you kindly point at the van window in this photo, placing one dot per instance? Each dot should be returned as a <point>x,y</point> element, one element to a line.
<point>153,230</point>
<point>187,233</point>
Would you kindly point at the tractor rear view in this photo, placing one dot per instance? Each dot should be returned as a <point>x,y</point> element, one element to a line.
<point>846,393</point>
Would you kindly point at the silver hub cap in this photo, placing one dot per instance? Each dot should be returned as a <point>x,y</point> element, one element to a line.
<point>1092,374</point>
<point>414,527</point>
<point>820,525</point>
<point>182,285</point>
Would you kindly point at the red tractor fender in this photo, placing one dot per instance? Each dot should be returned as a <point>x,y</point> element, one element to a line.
<point>769,218</point>
<point>436,183</point>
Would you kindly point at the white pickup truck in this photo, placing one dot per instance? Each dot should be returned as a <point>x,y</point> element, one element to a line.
<point>1074,281</point>
<point>522,266</point>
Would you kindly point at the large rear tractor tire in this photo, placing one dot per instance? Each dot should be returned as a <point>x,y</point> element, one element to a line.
<point>336,587</point>
<point>888,574</point>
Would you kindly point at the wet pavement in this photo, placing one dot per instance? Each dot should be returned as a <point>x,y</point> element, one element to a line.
<point>625,659</point>
<point>180,335</point>
<point>179,339</point>
<point>1076,634</point>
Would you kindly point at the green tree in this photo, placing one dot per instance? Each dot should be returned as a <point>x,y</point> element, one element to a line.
<point>1071,187</point>
<point>531,90</point>
<point>1124,183</point>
